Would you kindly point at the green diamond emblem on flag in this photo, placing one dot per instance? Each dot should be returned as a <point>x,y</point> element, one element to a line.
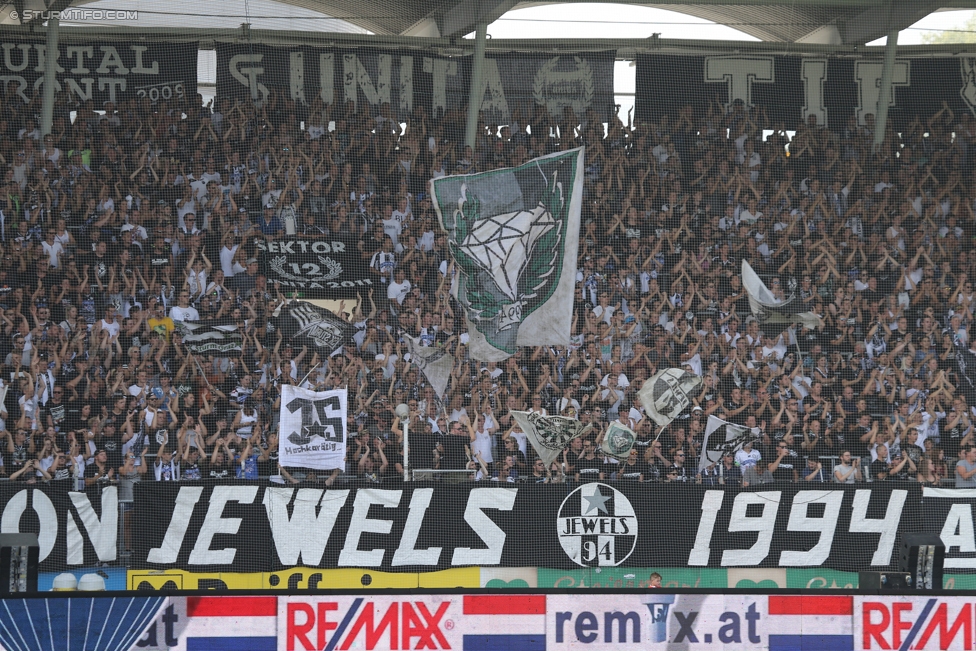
<point>513,235</point>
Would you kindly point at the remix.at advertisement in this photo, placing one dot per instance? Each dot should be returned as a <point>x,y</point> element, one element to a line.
<point>661,620</point>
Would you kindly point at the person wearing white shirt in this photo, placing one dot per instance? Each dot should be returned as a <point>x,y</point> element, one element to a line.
<point>183,311</point>
<point>747,457</point>
<point>399,288</point>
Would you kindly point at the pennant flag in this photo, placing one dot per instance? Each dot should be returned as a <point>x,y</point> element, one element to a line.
<point>618,441</point>
<point>769,309</point>
<point>312,428</point>
<point>434,362</point>
<point>309,325</point>
<point>549,434</point>
<point>214,337</point>
<point>513,234</point>
<point>722,436</point>
<point>667,393</point>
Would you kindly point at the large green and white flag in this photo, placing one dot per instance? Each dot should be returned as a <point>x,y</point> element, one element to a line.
<point>514,236</point>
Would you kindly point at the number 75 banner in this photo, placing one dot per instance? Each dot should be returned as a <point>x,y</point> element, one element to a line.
<point>312,433</point>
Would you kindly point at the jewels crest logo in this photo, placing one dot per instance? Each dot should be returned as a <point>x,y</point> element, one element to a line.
<point>597,526</point>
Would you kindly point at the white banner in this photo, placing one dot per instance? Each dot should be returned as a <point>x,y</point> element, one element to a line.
<point>313,428</point>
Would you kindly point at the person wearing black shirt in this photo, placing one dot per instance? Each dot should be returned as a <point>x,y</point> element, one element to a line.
<point>784,466</point>
<point>99,472</point>
<point>589,467</point>
<point>452,456</point>
<point>883,468</point>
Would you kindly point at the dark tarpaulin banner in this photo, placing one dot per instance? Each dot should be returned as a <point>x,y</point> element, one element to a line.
<point>791,88</point>
<point>250,527</point>
<point>401,78</point>
<point>104,71</point>
<point>74,529</point>
<point>405,79</point>
<point>582,82</point>
<point>314,268</point>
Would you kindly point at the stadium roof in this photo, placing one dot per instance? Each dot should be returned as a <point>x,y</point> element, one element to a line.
<point>814,22</point>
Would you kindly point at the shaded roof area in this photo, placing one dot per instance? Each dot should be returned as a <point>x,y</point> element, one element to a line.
<point>826,22</point>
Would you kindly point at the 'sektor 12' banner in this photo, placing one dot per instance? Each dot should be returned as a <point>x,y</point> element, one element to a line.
<point>103,71</point>
<point>406,79</point>
<point>791,88</point>
<point>315,268</point>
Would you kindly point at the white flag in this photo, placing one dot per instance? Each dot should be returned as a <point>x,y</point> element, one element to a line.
<point>667,393</point>
<point>435,363</point>
<point>722,436</point>
<point>312,430</point>
<point>769,309</point>
<point>549,434</point>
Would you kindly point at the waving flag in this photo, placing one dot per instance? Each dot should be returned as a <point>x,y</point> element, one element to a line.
<point>722,436</point>
<point>435,363</point>
<point>618,441</point>
<point>514,235</point>
<point>309,325</point>
<point>667,393</point>
<point>215,337</point>
<point>769,309</point>
<point>549,434</point>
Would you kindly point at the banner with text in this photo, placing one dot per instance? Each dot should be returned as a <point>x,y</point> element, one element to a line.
<point>315,268</point>
<point>73,528</point>
<point>407,79</point>
<point>791,88</point>
<point>313,428</point>
<point>252,527</point>
<point>103,72</point>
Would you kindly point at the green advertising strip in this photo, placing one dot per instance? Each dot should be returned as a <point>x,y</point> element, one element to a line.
<point>632,577</point>
<point>682,577</point>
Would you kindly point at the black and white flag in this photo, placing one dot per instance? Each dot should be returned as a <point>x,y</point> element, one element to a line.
<point>767,308</point>
<point>305,324</point>
<point>214,337</point>
<point>313,428</point>
<point>549,434</point>
<point>618,441</point>
<point>667,393</point>
<point>722,436</point>
<point>435,363</point>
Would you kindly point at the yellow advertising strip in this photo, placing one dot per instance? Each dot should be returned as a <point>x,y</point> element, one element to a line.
<point>301,578</point>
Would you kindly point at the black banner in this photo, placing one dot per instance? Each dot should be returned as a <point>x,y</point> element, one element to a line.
<point>790,88</point>
<point>314,268</point>
<point>104,71</point>
<point>250,527</point>
<point>74,529</point>
<point>405,79</point>
<point>950,513</point>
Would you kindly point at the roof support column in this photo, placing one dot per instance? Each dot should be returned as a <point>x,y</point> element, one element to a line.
<point>50,72</point>
<point>884,97</point>
<point>476,94</point>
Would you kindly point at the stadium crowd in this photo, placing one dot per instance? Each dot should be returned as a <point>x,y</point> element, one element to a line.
<point>126,220</point>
